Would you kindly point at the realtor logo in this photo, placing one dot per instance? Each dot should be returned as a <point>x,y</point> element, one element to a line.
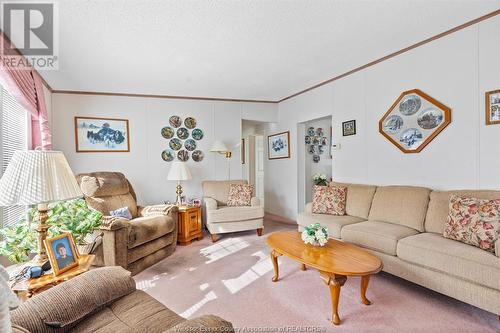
<point>31,28</point>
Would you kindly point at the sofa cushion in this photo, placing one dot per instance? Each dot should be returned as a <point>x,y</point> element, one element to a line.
<point>435,252</point>
<point>376,235</point>
<point>235,214</point>
<point>148,228</point>
<point>61,307</point>
<point>219,189</point>
<point>334,223</point>
<point>439,206</point>
<point>403,205</point>
<point>359,198</point>
<point>329,200</point>
<point>474,221</point>
<point>136,312</point>
<point>239,195</point>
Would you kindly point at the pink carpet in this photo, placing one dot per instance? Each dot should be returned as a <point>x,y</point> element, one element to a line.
<point>232,279</point>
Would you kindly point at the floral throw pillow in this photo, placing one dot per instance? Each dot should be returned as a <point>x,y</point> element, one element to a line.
<point>239,195</point>
<point>329,200</point>
<point>474,222</point>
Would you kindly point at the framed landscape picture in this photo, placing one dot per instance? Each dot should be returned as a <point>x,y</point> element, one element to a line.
<point>94,135</point>
<point>493,107</point>
<point>279,145</point>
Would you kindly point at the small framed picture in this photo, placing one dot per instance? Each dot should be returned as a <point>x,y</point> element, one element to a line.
<point>349,128</point>
<point>100,135</point>
<point>493,107</point>
<point>279,145</point>
<point>62,252</point>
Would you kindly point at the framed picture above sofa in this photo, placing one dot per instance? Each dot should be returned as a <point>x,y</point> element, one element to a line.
<point>94,135</point>
<point>414,120</point>
<point>279,145</point>
<point>492,107</point>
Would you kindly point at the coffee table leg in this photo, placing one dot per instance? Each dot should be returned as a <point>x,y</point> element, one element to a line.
<point>274,259</point>
<point>364,285</point>
<point>334,282</point>
<point>303,267</point>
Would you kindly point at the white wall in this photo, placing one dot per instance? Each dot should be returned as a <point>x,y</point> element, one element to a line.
<point>456,70</point>
<point>143,165</point>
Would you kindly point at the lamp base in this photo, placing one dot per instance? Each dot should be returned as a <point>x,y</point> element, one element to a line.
<point>42,228</point>
<point>178,191</point>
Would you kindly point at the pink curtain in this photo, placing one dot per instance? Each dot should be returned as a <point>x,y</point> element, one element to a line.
<point>26,85</point>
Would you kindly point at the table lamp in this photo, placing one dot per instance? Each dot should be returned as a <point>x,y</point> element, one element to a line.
<point>38,177</point>
<point>179,171</point>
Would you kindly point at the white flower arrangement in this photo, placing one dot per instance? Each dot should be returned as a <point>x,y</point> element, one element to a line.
<point>315,234</point>
<point>320,179</point>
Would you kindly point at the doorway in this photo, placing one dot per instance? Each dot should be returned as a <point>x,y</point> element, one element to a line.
<point>314,156</point>
<point>253,156</point>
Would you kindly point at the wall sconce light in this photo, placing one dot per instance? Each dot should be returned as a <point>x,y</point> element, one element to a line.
<point>219,147</point>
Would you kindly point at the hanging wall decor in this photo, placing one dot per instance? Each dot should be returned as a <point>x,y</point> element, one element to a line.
<point>493,107</point>
<point>414,120</point>
<point>179,137</point>
<point>278,145</point>
<point>316,142</point>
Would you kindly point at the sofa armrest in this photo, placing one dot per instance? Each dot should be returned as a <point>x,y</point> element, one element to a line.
<point>210,204</point>
<point>255,201</point>
<point>309,207</point>
<point>63,306</point>
<point>497,247</point>
<point>206,324</point>
<point>155,210</point>
<point>113,223</point>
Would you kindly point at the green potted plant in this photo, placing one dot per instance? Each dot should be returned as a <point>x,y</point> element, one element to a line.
<point>72,216</point>
<point>320,179</point>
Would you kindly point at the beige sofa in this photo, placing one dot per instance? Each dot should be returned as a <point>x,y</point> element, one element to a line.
<point>403,226</point>
<point>133,244</point>
<point>220,218</point>
<point>104,300</point>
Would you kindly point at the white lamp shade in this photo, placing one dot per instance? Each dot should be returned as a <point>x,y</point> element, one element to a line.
<point>179,171</point>
<point>218,146</point>
<point>37,177</point>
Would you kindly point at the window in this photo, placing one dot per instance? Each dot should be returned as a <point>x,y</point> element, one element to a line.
<point>14,135</point>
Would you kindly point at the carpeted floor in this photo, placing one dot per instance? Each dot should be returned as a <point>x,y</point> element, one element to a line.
<point>232,279</point>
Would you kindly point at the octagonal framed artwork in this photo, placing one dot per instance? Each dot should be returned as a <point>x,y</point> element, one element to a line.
<point>414,120</point>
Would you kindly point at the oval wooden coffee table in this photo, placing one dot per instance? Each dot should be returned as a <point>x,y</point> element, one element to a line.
<point>335,262</point>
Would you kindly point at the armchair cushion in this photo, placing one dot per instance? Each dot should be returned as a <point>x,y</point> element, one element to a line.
<point>148,228</point>
<point>255,202</point>
<point>239,195</point>
<point>234,214</point>
<point>206,323</point>
<point>59,308</point>
<point>219,189</point>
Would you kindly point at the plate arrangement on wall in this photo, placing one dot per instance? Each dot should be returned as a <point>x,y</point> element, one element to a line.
<point>316,142</point>
<point>180,145</point>
<point>414,120</point>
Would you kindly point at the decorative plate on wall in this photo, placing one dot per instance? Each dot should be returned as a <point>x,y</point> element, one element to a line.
<point>311,131</point>
<point>175,121</point>
<point>197,156</point>
<point>197,134</point>
<point>167,132</point>
<point>190,122</point>
<point>414,120</point>
<point>190,144</point>
<point>175,144</point>
<point>182,133</point>
<point>168,155</point>
<point>183,155</point>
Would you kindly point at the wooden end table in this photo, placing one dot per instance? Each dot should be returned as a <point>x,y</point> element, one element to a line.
<point>189,225</point>
<point>27,289</point>
<point>335,262</point>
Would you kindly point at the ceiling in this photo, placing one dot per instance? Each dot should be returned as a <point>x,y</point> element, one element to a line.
<point>259,50</point>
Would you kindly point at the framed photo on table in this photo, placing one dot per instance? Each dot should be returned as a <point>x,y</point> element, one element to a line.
<point>278,145</point>
<point>493,107</point>
<point>62,253</point>
<point>101,135</point>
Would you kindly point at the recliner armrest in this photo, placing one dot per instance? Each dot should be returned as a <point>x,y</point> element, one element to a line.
<point>154,210</point>
<point>254,201</point>
<point>113,223</point>
<point>309,207</point>
<point>210,203</point>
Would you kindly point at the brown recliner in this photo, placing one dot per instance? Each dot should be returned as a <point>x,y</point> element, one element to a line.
<point>135,244</point>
